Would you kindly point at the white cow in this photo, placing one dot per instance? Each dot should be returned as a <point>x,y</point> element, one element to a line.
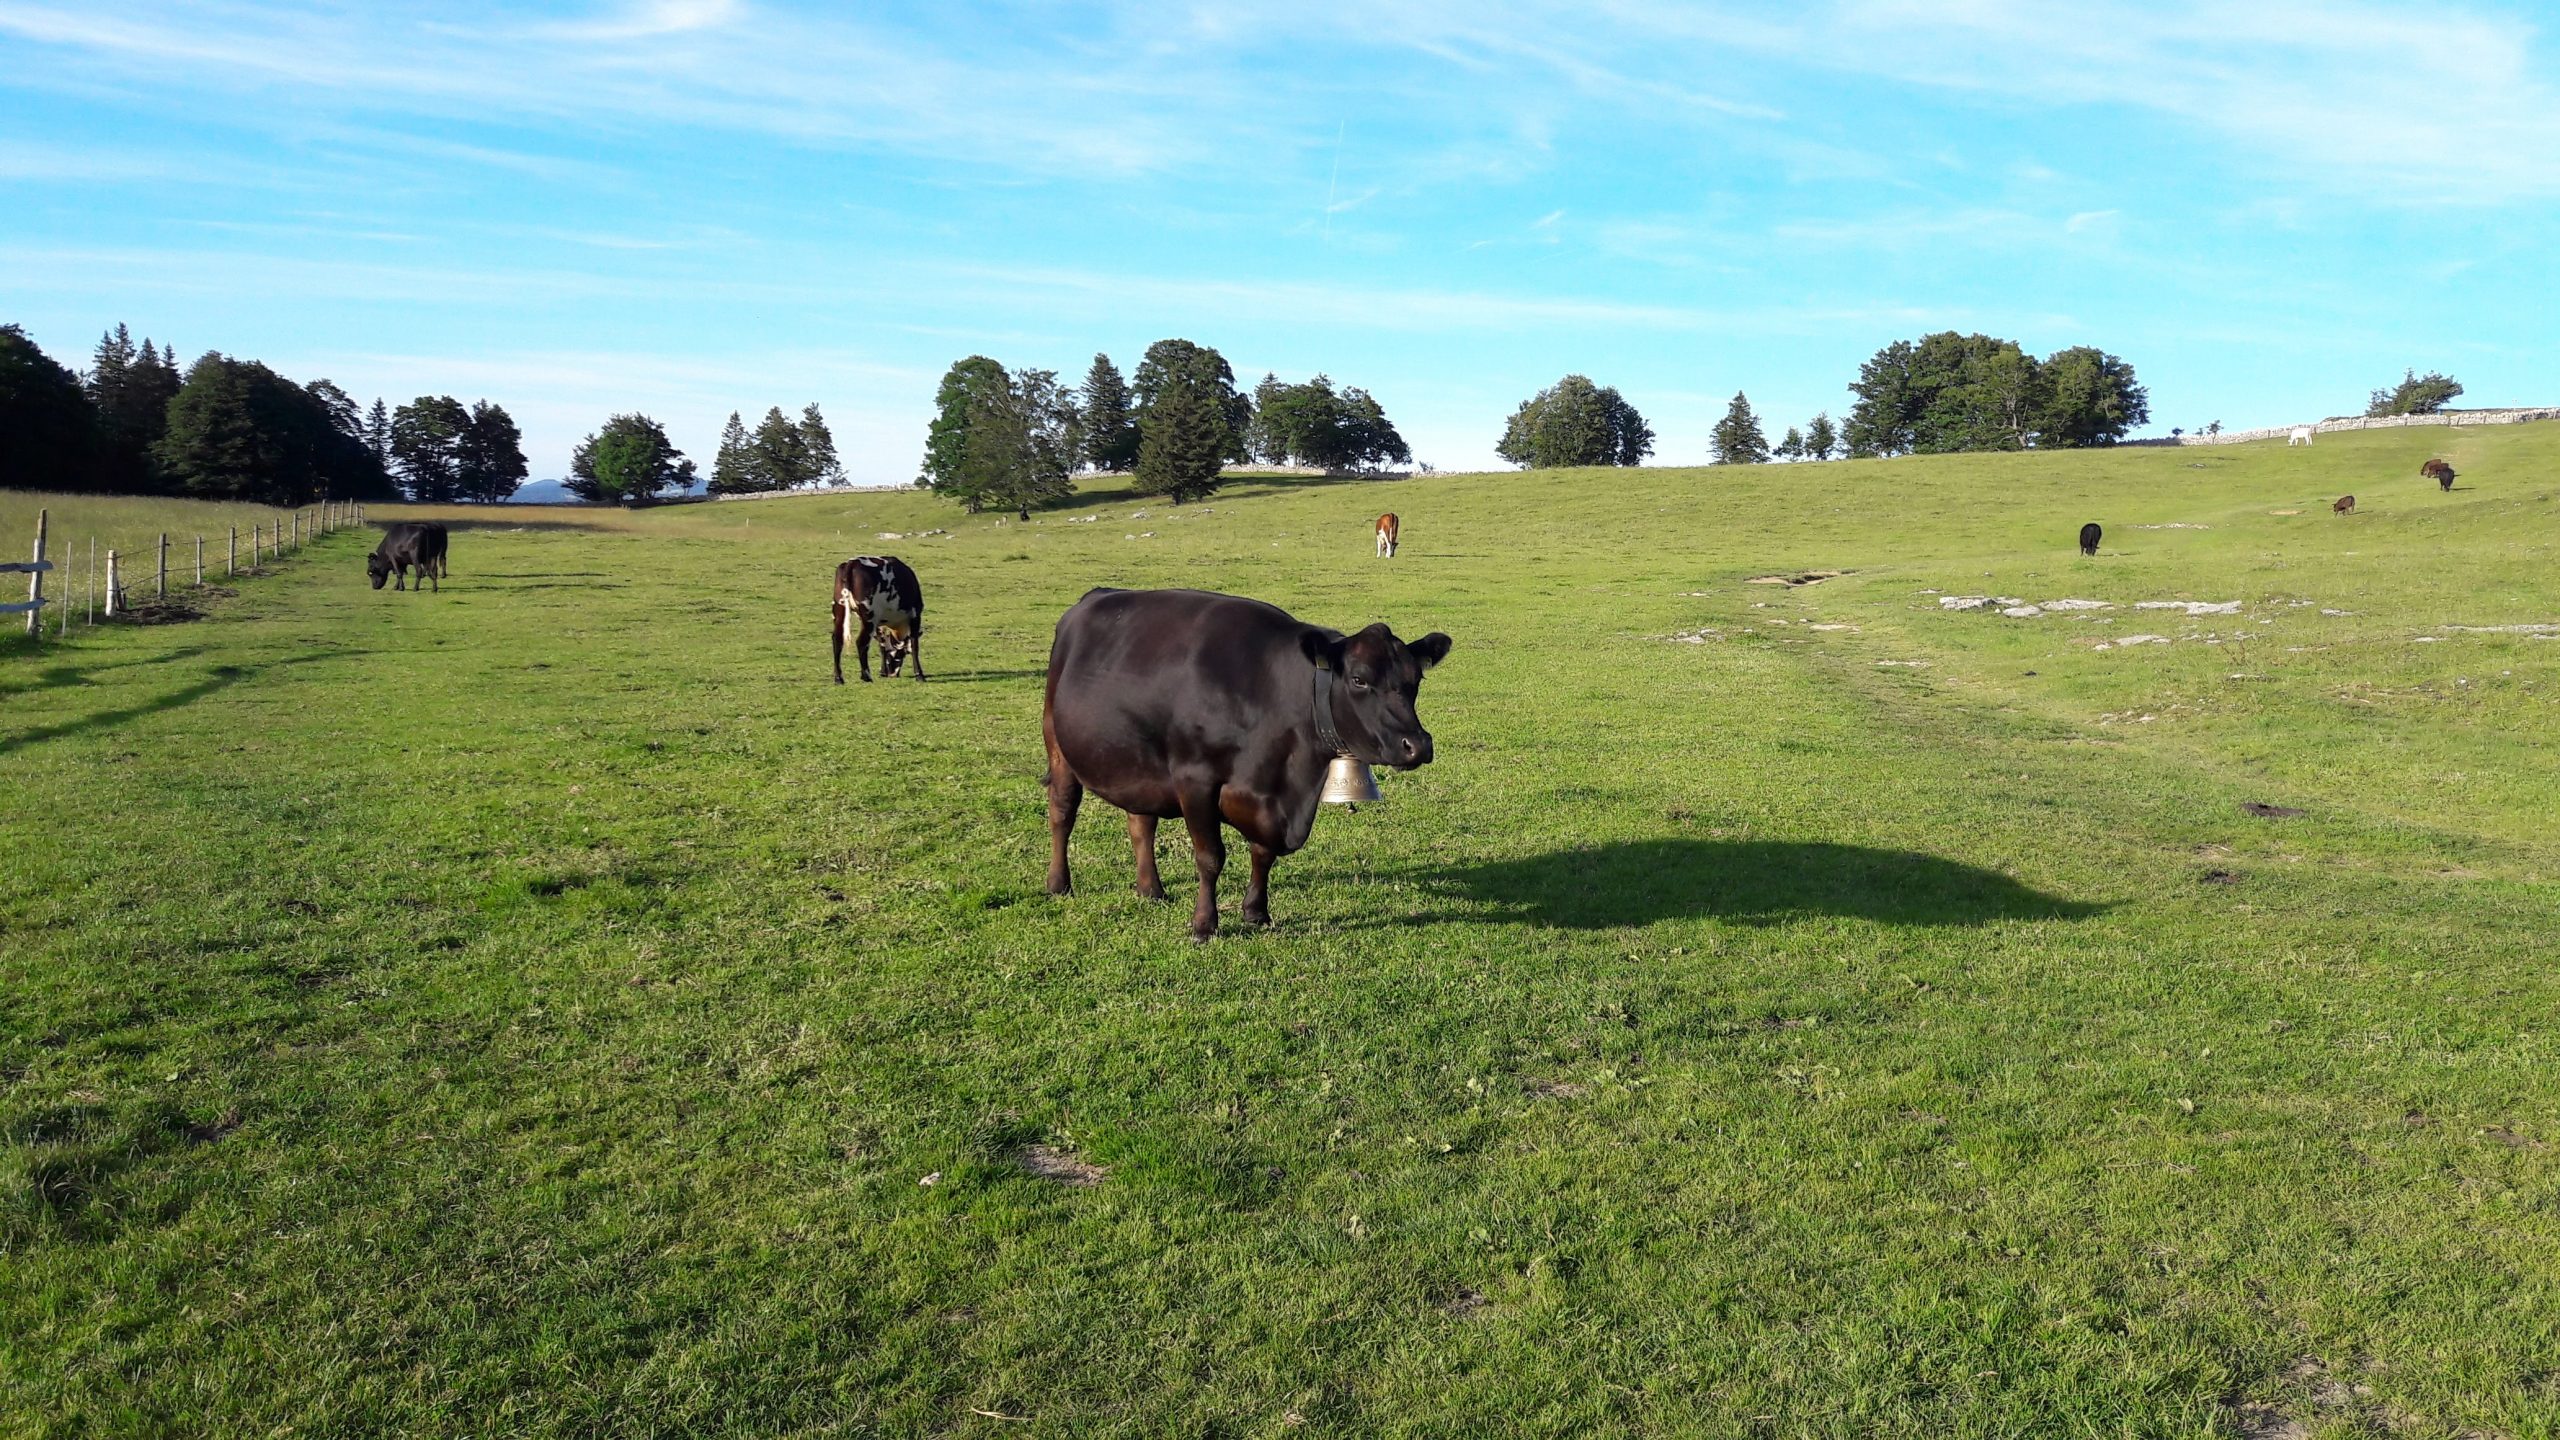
<point>2301,436</point>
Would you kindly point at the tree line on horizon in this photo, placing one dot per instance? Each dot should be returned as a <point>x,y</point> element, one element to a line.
<point>234,429</point>
<point>1009,440</point>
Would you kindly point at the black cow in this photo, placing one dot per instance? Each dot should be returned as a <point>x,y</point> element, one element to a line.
<point>2089,538</point>
<point>1218,709</point>
<point>882,593</point>
<point>2440,471</point>
<point>407,545</point>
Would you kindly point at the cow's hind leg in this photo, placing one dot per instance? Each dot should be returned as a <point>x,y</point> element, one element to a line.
<point>1066,794</point>
<point>1142,844</point>
<point>862,650</point>
<point>1209,852</point>
<point>835,638</point>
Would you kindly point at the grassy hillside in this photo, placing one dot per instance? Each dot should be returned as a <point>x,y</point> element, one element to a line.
<point>550,1007</point>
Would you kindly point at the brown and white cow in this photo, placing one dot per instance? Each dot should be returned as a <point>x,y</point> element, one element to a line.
<point>881,593</point>
<point>1387,536</point>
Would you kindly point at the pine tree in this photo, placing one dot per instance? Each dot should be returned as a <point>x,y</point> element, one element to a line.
<point>820,442</point>
<point>1820,439</point>
<point>782,453</point>
<point>1108,435</point>
<point>1737,439</point>
<point>733,471</point>
<point>1183,439</point>
<point>377,434</point>
<point>1790,448</point>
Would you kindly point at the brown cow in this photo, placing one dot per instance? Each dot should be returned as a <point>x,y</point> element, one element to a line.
<point>2346,505</point>
<point>881,592</point>
<point>1387,536</point>
<point>2439,471</point>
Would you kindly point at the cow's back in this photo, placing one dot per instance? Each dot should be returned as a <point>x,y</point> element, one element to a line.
<point>1147,683</point>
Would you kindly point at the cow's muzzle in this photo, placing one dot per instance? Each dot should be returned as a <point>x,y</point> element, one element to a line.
<point>1411,751</point>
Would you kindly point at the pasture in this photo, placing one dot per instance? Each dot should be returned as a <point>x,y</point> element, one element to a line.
<point>551,1007</point>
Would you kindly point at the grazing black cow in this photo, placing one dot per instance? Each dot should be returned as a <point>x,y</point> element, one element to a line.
<point>2089,534</point>
<point>1218,709</point>
<point>2440,471</point>
<point>882,593</point>
<point>407,545</point>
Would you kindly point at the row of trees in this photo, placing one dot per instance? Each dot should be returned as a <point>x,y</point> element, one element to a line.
<point>781,454</point>
<point>1948,392</point>
<point>232,429</point>
<point>1737,439</point>
<point>1009,440</point>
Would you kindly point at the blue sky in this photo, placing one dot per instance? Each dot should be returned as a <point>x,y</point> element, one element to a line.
<point>693,206</point>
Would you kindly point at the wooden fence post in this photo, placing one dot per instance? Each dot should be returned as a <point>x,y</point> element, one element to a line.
<point>231,557</point>
<point>35,582</point>
<point>163,581</point>
<point>199,562</point>
<point>93,580</point>
<point>115,584</point>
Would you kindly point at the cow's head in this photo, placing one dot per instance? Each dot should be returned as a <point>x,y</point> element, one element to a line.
<point>379,567</point>
<point>893,650</point>
<point>1378,677</point>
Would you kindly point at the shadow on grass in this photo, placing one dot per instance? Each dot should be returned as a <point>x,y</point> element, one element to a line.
<point>221,677</point>
<point>58,677</point>
<point>982,677</point>
<point>1752,882</point>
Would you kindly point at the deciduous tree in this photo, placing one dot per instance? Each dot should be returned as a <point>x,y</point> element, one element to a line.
<point>426,448</point>
<point>491,454</point>
<point>628,458</point>
<point>49,437</point>
<point>2416,394</point>
<point>1574,422</point>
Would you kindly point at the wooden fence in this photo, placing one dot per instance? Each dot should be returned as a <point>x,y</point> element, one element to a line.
<point>104,593</point>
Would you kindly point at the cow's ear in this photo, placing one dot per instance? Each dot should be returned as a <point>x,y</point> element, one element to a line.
<point>1324,650</point>
<point>1431,649</point>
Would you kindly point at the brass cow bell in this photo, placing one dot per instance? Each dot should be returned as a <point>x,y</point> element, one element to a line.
<point>1347,781</point>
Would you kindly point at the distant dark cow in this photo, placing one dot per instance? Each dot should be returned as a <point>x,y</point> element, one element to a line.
<point>1387,536</point>
<point>2089,538</point>
<point>2346,505</point>
<point>884,595</point>
<point>1218,709</point>
<point>408,545</point>
<point>2439,471</point>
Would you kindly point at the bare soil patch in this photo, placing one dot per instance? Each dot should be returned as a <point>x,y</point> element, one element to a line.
<point>1048,1162</point>
<point>2265,811</point>
<point>1800,577</point>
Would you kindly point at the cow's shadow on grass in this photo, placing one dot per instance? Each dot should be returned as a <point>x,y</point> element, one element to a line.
<point>1751,882</point>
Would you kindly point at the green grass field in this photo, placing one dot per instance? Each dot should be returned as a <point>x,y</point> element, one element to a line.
<point>550,1007</point>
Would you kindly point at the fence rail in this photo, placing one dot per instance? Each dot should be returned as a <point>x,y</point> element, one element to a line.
<point>266,542</point>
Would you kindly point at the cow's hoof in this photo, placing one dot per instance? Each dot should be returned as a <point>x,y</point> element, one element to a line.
<point>1261,918</point>
<point>1155,894</point>
<point>1058,885</point>
<point>1203,937</point>
<point>839,679</point>
<point>866,679</point>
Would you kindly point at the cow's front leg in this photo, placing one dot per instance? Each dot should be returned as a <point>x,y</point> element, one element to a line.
<point>1257,890</point>
<point>915,651</point>
<point>1209,852</point>
<point>1142,844</point>
<point>400,581</point>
